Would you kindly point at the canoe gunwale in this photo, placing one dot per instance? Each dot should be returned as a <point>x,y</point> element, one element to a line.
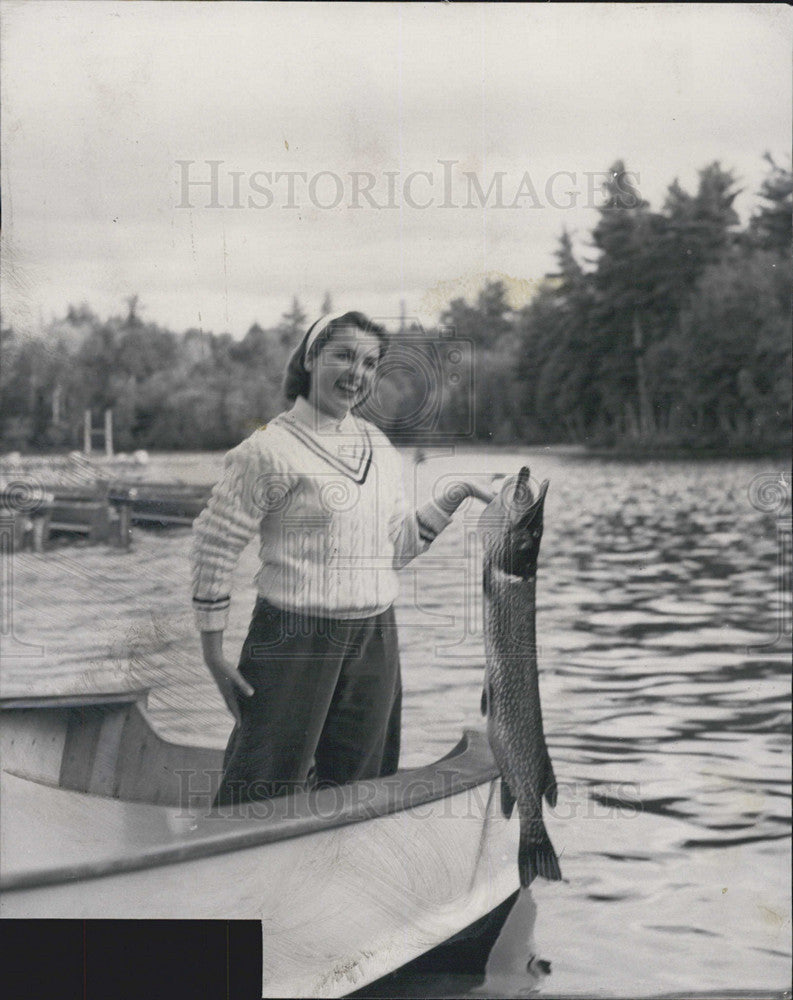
<point>468,765</point>
<point>124,696</point>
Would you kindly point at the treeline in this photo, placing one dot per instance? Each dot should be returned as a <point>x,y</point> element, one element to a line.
<point>195,390</point>
<point>676,333</point>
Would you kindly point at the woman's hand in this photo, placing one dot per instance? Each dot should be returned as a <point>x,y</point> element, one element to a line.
<point>457,490</point>
<point>481,490</point>
<point>229,680</point>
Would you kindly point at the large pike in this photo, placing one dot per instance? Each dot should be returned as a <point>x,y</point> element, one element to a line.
<point>510,529</point>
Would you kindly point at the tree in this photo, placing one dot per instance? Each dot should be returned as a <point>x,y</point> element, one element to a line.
<point>132,306</point>
<point>293,322</point>
<point>141,350</point>
<point>485,323</point>
<point>698,230</point>
<point>770,227</point>
<point>487,330</point>
<point>626,236</point>
<point>733,365</point>
<point>557,352</point>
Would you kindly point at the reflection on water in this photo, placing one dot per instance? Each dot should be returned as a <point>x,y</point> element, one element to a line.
<point>665,687</point>
<point>666,704</point>
<point>514,965</point>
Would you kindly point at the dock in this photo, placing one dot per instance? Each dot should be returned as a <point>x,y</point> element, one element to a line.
<point>103,512</point>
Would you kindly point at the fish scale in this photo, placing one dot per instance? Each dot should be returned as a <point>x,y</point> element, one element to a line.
<point>510,530</point>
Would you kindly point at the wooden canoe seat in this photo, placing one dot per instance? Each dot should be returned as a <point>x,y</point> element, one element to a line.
<point>105,745</point>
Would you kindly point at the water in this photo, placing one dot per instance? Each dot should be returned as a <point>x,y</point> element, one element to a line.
<point>662,588</point>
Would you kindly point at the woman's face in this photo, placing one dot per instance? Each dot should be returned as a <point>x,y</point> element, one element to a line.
<point>342,371</point>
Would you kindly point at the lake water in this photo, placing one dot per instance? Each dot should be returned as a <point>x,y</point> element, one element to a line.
<point>664,631</point>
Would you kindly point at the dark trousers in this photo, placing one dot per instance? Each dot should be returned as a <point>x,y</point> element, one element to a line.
<point>326,708</point>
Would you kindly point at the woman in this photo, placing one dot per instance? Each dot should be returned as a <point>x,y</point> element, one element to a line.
<point>317,692</point>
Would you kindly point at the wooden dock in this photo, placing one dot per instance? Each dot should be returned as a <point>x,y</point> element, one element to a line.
<point>100,513</point>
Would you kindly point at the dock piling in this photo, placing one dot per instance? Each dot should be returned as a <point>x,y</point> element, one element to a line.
<point>121,500</point>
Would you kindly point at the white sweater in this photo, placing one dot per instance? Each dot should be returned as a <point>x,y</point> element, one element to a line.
<point>328,503</point>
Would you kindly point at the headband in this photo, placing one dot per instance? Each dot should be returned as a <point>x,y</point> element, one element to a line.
<point>318,327</point>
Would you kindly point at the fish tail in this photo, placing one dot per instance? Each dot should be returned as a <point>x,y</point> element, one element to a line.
<point>536,855</point>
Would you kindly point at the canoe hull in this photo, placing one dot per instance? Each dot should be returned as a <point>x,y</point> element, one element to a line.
<point>104,819</point>
<point>339,908</point>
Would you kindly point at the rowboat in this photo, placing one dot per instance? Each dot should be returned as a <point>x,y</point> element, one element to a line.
<point>104,818</point>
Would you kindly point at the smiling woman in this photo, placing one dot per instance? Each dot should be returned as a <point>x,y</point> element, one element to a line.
<point>317,693</point>
<point>334,365</point>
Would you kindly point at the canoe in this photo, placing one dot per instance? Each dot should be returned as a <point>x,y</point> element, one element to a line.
<point>349,883</point>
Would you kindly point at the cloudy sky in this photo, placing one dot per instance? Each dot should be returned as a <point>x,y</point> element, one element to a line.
<point>218,158</point>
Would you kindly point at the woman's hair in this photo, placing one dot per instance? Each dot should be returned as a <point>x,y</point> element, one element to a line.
<point>297,378</point>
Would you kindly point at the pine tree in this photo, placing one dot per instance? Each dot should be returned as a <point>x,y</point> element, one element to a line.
<point>625,235</point>
<point>293,322</point>
<point>770,227</point>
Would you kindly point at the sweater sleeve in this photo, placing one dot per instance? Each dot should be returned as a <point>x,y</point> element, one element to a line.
<point>413,531</point>
<point>222,530</point>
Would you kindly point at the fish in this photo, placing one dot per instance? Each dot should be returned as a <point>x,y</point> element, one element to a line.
<point>510,530</point>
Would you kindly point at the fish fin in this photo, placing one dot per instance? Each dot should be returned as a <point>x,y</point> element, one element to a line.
<point>507,799</point>
<point>536,855</point>
<point>550,788</point>
<point>483,704</point>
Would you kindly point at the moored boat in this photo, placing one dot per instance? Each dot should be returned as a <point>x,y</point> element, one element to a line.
<point>103,818</point>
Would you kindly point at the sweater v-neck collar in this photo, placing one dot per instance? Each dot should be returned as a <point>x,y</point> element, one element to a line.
<point>345,444</point>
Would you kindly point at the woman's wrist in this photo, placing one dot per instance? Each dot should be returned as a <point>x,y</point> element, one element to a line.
<point>212,643</point>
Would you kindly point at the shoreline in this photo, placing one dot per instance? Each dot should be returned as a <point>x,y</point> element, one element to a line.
<point>676,453</point>
<point>72,469</point>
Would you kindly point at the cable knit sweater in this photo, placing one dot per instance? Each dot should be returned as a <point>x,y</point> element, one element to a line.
<point>328,504</point>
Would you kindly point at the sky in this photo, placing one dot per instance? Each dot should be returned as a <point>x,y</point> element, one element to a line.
<point>218,158</point>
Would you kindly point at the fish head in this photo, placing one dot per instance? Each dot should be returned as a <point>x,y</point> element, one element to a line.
<point>513,523</point>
